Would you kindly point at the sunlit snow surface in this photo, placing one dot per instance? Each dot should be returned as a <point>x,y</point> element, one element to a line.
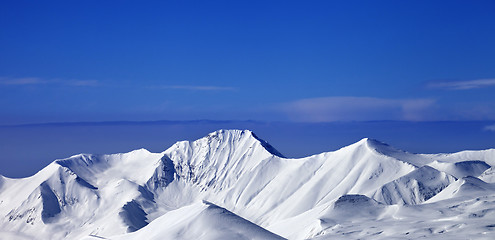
<point>233,185</point>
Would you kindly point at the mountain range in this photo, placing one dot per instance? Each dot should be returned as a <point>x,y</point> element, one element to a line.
<point>231,184</point>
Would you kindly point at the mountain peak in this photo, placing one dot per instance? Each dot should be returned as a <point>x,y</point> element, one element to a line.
<point>380,147</point>
<point>236,134</point>
<point>374,145</point>
<point>227,132</point>
<point>371,142</point>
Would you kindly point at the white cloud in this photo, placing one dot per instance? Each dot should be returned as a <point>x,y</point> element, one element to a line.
<point>197,88</point>
<point>39,81</point>
<point>21,81</point>
<point>83,83</point>
<point>490,128</point>
<point>328,109</point>
<point>462,85</point>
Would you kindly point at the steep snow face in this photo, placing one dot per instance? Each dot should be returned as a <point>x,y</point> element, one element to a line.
<point>218,159</point>
<point>234,169</point>
<point>231,184</point>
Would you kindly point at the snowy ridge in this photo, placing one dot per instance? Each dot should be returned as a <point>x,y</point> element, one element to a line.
<point>233,178</point>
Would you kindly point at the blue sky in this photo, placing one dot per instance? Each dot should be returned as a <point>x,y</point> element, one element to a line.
<point>304,61</point>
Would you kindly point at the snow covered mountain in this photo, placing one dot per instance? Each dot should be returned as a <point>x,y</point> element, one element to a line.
<point>233,185</point>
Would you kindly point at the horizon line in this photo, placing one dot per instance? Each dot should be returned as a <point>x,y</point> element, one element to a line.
<point>212,121</point>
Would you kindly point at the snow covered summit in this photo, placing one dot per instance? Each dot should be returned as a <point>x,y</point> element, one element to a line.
<point>232,184</point>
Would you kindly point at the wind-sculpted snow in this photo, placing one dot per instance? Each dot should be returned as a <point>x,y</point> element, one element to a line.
<point>233,185</point>
<point>488,175</point>
<point>415,187</point>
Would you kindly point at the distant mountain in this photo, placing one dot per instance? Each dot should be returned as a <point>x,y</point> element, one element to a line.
<point>233,185</point>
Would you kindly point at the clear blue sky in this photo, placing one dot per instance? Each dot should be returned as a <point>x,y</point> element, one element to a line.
<point>310,61</point>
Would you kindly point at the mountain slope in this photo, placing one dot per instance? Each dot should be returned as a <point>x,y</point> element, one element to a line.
<point>252,185</point>
<point>59,196</point>
<point>200,221</point>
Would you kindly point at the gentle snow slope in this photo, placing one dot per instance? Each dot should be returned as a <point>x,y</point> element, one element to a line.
<point>200,221</point>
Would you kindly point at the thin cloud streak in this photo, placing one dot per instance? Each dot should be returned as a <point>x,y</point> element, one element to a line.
<point>331,109</point>
<point>21,81</point>
<point>197,88</point>
<point>490,128</point>
<point>40,81</point>
<point>84,83</point>
<point>462,85</point>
